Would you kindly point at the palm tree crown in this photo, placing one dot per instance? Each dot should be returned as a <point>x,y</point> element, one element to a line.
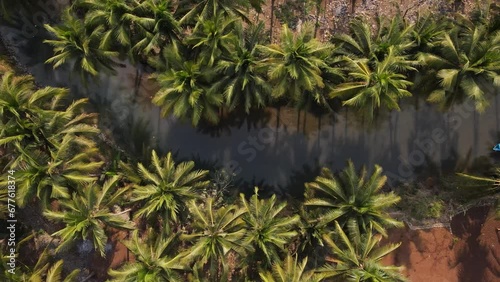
<point>353,200</point>
<point>358,259</point>
<point>152,259</point>
<point>290,270</point>
<point>267,230</point>
<point>88,213</point>
<point>467,65</point>
<point>296,65</point>
<point>165,187</point>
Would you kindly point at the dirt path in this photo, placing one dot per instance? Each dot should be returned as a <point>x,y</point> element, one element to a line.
<point>469,253</point>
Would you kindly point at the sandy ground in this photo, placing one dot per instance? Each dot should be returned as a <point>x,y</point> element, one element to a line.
<point>470,252</point>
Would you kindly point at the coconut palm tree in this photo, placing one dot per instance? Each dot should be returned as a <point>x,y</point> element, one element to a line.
<point>483,186</point>
<point>42,271</point>
<point>54,174</point>
<point>242,84</point>
<point>88,212</point>
<point>311,231</point>
<point>157,20</point>
<point>426,34</point>
<point>268,230</point>
<point>358,258</point>
<point>363,42</point>
<point>352,199</point>
<point>164,188</point>
<point>34,117</point>
<point>84,50</point>
<point>295,65</point>
<point>117,20</point>
<point>153,260</point>
<point>17,105</point>
<point>207,9</point>
<point>212,38</point>
<point>184,91</point>
<point>467,66</point>
<point>290,270</point>
<point>375,84</point>
<point>215,233</point>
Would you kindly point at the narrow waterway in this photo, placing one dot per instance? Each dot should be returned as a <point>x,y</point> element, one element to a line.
<point>278,146</point>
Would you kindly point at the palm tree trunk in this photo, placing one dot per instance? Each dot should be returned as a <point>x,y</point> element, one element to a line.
<point>138,80</point>
<point>353,6</point>
<point>304,123</point>
<point>298,121</point>
<point>316,25</point>
<point>272,22</point>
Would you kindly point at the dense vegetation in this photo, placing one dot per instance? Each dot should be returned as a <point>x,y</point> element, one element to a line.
<point>208,58</point>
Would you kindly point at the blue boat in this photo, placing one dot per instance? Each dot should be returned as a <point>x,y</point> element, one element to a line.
<point>497,148</point>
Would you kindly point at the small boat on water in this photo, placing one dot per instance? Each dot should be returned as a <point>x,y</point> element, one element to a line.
<point>497,148</point>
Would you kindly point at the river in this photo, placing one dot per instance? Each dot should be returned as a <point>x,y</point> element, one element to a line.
<point>278,147</point>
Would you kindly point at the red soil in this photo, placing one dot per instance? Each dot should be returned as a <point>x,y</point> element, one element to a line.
<point>117,258</point>
<point>470,252</point>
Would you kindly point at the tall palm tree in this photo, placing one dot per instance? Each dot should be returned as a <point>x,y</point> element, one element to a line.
<point>363,42</point>
<point>311,231</point>
<point>358,259</point>
<point>427,33</point>
<point>290,270</point>
<point>215,233</point>
<point>157,20</point>
<point>87,213</point>
<point>184,92</point>
<point>17,105</point>
<point>211,38</point>
<point>376,84</point>
<point>54,174</point>
<point>295,65</point>
<point>353,200</point>
<point>116,20</point>
<point>36,117</point>
<point>242,84</point>
<point>153,260</point>
<point>206,9</point>
<point>164,188</point>
<point>467,67</point>
<point>268,230</point>
<point>84,50</point>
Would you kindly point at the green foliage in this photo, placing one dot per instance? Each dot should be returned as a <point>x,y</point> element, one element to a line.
<point>164,187</point>
<point>43,270</point>
<point>241,82</point>
<point>153,260</point>
<point>466,65</point>
<point>352,199</point>
<point>482,186</point>
<point>184,92</point>
<point>202,10</point>
<point>295,66</point>
<point>50,147</point>
<point>86,51</point>
<point>376,84</point>
<point>215,233</point>
<point>290,270</point>
<point>54,174</point>
<point>357,258</point>
<point>268,231</point>
<point>88,212</point>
